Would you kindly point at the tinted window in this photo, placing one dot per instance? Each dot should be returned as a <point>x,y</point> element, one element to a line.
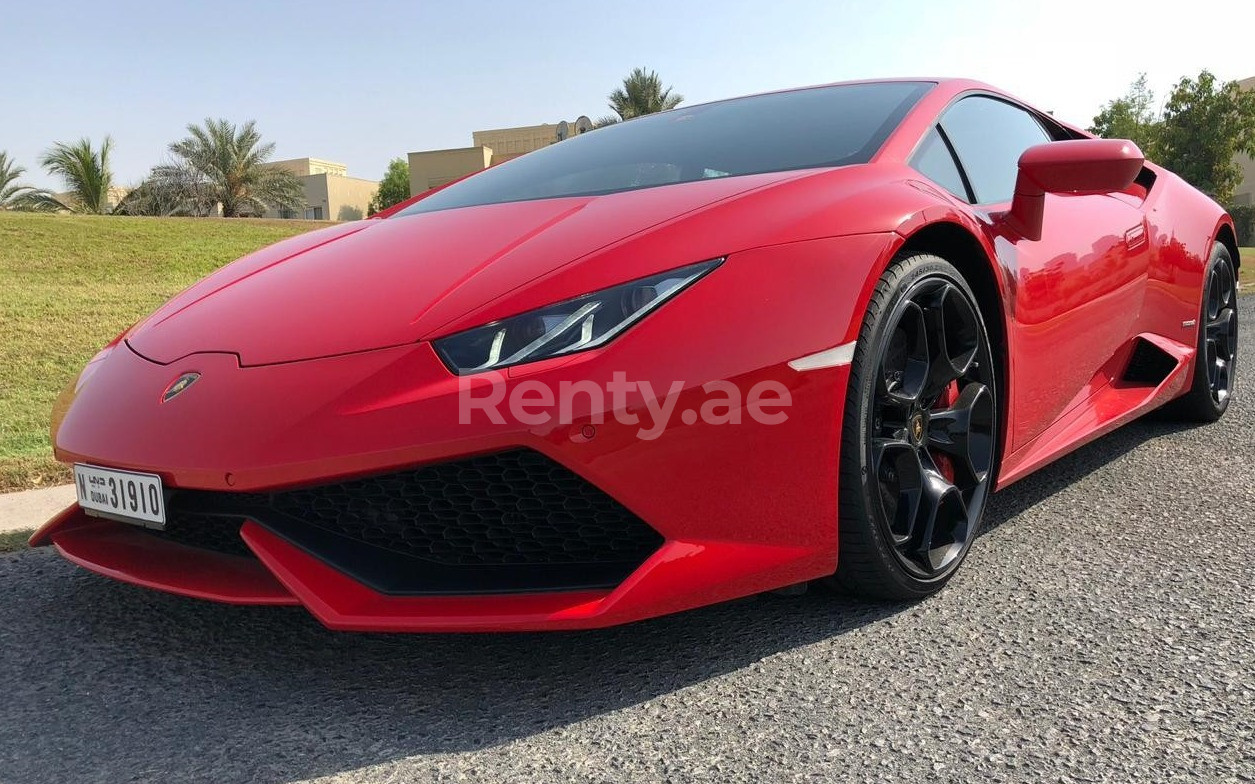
<point>934,161</point>
<point>988,136</point>
<point>800,129</point>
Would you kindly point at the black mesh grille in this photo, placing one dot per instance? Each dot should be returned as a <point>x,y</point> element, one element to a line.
<point>220,533</point>
<point>508,521</point>
<point>510,508</point>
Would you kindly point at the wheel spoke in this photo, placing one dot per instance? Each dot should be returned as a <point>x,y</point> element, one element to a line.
<point>1212,354</point>
<point>1225,278</point>
<point>1220,331</point>
<point>1215,297</point>
<point>965,432</point>
<point>904,360</point>
<point>899,476</point>
<point>1220,322</point>
<point>1221,383</point>
<point>955,338</point>
<point>941,525</point>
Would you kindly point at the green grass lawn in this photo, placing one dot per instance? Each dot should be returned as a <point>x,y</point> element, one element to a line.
<point>12,541</point>
<point>69,284</point>
<point>1246,271</point>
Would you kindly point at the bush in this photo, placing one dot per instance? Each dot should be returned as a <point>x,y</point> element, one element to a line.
<point>1244,221</point>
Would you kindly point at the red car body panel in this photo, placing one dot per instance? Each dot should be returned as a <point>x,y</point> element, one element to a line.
<point>317,366</point>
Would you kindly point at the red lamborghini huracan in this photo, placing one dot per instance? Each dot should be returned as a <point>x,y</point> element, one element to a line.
<point>693,356</point>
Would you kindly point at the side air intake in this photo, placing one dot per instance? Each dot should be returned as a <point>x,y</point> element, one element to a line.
<point>1148,365</point>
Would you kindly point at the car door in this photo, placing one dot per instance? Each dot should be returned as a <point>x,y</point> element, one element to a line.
<point>1075,294</point>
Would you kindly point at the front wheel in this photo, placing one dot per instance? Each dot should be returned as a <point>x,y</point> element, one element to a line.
<point>919,433</point>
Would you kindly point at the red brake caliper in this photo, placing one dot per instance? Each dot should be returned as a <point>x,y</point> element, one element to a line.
<point>946,399</point>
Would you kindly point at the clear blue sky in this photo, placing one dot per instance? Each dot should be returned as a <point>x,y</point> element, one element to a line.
<point>362,82</point>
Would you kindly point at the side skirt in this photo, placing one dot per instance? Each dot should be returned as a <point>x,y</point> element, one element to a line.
<point>1112,404</point>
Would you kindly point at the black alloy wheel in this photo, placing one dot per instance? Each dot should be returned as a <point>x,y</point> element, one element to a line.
<point>921,423</point>
<point>1220,331</point>
<point>1216,356</point>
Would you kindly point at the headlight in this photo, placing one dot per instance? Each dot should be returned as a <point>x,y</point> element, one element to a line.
<point>575,325</point>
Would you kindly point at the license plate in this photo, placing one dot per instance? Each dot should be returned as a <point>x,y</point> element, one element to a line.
<point>121,495</point>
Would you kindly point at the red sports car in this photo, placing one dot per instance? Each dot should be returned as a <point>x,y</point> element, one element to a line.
<point>701,354</point>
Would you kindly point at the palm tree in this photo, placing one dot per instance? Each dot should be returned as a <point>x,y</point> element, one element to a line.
<point>228,163</point>
<point>86,174</point>
<point>642,93</point>
<point>13,194</point>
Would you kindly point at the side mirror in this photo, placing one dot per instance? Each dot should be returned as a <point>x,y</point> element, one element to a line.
<point>1080,166</point>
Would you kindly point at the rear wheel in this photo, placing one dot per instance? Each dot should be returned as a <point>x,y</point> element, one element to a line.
<point>1212,387</point>
<point>919,433</point>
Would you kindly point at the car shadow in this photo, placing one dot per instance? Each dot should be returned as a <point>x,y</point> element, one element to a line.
<point>1009,502</point>
<point>117,682</point>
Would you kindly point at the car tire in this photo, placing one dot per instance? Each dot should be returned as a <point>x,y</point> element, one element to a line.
<point>1215,360</point>
<point>917,455</point>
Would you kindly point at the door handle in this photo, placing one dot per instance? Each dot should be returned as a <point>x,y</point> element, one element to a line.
<point>1135,237</point>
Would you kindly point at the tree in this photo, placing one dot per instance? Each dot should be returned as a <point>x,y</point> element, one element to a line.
<point>13,194</point>
<point>394,188</point>
<point>1131,116</point>
<point>1205,124</point>
<point>227,165</point>
<point>86,174</point>
<point>170,189</point>
<point>642,93</point>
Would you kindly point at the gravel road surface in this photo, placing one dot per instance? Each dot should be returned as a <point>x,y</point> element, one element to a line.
<point>1103,629</point>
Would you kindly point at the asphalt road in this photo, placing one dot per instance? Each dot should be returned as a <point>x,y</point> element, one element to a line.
<point>1103,629</point>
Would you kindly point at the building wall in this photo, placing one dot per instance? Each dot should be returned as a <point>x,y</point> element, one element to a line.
<point>434,168</point>
<point>303,167</point>
<point>112,199</point>
<point>348,198</point>
<point>1245,193</point>
<point>513,142</point>
<point>330,194</point>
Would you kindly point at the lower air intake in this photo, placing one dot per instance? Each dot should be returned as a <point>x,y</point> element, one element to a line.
<point>219,533</point>
<point>508,522</point>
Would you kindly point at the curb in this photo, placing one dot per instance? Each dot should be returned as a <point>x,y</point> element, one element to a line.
<point>29,509</point>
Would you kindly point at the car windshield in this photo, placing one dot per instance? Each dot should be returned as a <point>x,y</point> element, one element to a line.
<point>799,129</point>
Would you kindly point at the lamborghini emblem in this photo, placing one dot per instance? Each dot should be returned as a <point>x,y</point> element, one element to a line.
<point>179,385</point>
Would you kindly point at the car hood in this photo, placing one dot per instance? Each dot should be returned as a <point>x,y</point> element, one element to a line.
<point>380,283</point>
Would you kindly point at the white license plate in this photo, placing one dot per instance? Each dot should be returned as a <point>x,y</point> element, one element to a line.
<point>121,495</point>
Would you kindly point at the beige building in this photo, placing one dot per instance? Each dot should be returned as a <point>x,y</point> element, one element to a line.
<point>432,168</point>
<point>330,193</point>
<point>1246,190</point>
<point>113,197</point>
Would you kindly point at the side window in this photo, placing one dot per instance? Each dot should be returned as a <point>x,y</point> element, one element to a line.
<point>934,161</point>
<point>988,136</point>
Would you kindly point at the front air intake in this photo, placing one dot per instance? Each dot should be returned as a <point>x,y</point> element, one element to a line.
<point>508,522</point>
